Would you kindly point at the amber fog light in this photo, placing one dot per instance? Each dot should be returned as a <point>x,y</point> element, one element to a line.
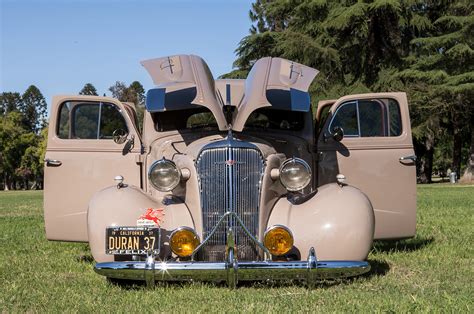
<point>278,240</point>
<point>184,241</point>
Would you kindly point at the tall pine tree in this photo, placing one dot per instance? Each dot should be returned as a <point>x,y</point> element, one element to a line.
<point>88,89</point>
<point>33,107</point>
<point>9,101</point>
<point>422,47</point>
<point>441,66</point>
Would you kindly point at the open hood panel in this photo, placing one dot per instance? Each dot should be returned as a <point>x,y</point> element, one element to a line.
<point>185,81</point>
<point>182,81</point>
<point>275,82</point>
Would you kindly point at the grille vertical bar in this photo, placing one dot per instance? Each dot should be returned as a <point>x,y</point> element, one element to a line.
<point>230,179</point>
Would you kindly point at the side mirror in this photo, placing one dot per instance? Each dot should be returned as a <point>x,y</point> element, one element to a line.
<point>337,133</point>
<point>129,145</point>
<point>119,136</point>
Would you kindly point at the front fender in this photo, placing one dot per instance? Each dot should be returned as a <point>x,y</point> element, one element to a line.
<point>122,207</point>
<point>338,222</point>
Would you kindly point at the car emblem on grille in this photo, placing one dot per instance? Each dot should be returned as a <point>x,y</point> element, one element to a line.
<point>229,162</point>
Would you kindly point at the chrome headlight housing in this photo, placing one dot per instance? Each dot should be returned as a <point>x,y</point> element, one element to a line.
<point>295,174</point>
<point>164,175</point>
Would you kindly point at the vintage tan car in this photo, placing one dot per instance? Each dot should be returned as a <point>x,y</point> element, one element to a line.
<point>230,180</point>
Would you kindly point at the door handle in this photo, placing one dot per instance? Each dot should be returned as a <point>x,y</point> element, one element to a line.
<point>53,162</point>
<point>411,157</point>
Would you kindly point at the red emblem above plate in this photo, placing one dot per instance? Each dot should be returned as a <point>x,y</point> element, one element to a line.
<point>152,216</point>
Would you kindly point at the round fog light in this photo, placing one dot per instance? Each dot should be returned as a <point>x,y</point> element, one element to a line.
<point>278,240</point>
<point>183,241</point>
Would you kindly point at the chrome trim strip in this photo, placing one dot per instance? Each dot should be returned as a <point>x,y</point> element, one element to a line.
<point>233,265</point>
<point>232,271</point>
<point>149,271</point>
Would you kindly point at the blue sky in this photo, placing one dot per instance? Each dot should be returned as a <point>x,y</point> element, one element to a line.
<point>61,45</point>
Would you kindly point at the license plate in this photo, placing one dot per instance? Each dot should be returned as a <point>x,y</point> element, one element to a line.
<point>132,240</point>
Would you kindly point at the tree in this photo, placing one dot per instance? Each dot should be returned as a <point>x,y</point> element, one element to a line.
<point>421,47</point>
<point>350,42</point>
<point>15,140</point>
<point>134,93</point>
<point>119,90</point>
<point>443,59</point>
<point>31,164</point>
<point>88,89</point>
<point>9,102</point>
<point>33,108</point>
<point>137,93</point>
<point>468,175</point>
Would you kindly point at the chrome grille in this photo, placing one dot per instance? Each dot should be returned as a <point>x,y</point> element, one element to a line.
<point>230,179</point>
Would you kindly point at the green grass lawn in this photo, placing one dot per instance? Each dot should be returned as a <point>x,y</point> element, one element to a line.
<point>432,272</point>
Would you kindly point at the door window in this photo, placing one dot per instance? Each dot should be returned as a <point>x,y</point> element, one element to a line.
<point>89,120</point>
<point>368,118</point>
<point>346,118</point>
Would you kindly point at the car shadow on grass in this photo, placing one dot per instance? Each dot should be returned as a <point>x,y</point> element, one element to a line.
<point>407,245</point>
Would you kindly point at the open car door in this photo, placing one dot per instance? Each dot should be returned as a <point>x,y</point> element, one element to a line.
<point>82,158</point>
<point>375,155</point>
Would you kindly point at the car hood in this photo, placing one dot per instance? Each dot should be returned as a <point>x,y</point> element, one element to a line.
<point>185,81</point>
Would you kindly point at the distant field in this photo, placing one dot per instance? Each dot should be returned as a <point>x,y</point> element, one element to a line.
<point>432,272</point>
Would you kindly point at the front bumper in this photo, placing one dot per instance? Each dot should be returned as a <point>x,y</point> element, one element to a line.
<point>232,271</point>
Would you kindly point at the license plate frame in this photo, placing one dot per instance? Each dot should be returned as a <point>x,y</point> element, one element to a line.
<point>132,240</point>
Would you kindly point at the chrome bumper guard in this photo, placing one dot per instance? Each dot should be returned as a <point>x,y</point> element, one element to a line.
<point>232,271</point>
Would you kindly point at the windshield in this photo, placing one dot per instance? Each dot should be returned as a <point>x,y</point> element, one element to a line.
<point>184,119</point>
<point>265,118</point>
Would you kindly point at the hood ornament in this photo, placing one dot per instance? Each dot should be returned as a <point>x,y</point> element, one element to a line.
<point>230,135</point>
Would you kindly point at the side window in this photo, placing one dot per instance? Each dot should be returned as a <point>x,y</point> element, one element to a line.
<point>394,118</point>
<point>368,118</point>
<point>111,120</point>
<point>371,118</point>
<point>346,118</point>
<point>64,126</point>
<point>323,117</point>
<point>85,121</point>
<point>89,120</point>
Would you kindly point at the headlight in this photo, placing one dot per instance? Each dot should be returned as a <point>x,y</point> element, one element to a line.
<point>183,241</point>
<point>278,240</point>
<point>295,174</point>
<point>164,175</point>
